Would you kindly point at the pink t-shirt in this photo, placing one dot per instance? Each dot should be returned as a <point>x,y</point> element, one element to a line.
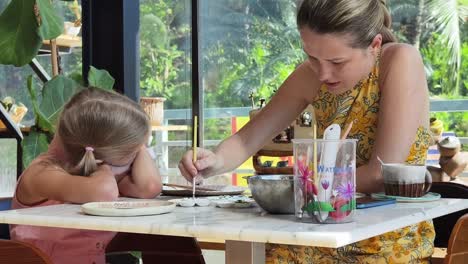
<point>62,245</point>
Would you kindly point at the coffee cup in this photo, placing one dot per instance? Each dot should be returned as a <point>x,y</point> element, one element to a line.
<point>406,179</point>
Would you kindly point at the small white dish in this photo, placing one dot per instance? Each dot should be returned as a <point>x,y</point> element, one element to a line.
<point>187,202</point>
<point>202,202</point>
<point>190,202</point>
<point>224,204</point>
<point>242,204</point>
<point>234,202</point>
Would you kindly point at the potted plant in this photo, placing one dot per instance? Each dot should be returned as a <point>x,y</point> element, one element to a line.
<point>154,108</point>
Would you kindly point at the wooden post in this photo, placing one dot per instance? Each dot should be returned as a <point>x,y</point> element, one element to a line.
<point>54,57</point>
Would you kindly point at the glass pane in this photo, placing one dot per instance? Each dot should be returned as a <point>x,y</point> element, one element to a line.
<point>165,54</point>
<point>446,65</point>
<point>447,80</point>
<point>247,47</point>
<point>7,167</point>
<point>13,80</point>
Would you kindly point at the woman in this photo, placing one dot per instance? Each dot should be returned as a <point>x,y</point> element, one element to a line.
<point>355,72</point>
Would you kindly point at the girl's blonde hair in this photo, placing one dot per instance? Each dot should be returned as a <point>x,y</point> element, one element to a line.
<point>361,19</point>
<point>101,125</point>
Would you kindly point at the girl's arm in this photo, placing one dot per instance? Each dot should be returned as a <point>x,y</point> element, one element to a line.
<point>144,181</point>
<point>43,180</point>
<point>404,106</point>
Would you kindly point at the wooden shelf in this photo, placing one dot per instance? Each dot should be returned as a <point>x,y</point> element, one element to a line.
<point>23,129</point>
<point>275,153</point>
<point>169,128</point>
<point>66,41</point>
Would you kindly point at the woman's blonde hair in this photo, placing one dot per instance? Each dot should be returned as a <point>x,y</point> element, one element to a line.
<point>361,19</point>
<point>101,125</point>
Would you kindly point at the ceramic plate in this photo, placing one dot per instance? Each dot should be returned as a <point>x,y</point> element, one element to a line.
<point>217,190</point>
<point>233,201</point>
<point>128,208</point>
<point>428,197</point>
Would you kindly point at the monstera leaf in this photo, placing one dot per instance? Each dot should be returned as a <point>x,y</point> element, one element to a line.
<point>19,36</point>
<point>55,94</point>
<point>33,144</point>
<point>100,79</point>
<point>51,24</point>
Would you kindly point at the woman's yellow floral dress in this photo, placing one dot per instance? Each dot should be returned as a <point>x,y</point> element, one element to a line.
<point>412,244</point>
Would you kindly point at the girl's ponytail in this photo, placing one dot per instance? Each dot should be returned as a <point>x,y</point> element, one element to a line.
<point>88,163</point>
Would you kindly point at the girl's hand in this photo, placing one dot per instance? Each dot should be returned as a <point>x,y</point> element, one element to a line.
<point>143,181</point>
<point>206,163</point>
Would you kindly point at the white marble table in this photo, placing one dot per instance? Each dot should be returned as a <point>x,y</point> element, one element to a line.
<point>245,231</point>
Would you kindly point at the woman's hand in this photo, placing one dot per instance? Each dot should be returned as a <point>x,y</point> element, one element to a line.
<point>206,165</point>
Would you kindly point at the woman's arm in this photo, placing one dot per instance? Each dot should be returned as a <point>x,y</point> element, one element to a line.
<point>292,97</point>
<point>144,181</point>
<point>404,106</point>
<point>43,180</point>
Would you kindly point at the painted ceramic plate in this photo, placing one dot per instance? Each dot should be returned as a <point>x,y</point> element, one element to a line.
<point>233,202</point>
<point>128,208</point>
<point>428,197</point>
<point>217,190</point>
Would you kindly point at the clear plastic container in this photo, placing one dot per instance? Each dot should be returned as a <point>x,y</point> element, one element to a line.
<point>325,180</point>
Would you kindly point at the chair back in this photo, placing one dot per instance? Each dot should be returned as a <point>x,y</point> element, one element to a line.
<point>15,252</point>
<point>443,225</point>
<point>5,204</point>
<point>457,250</point>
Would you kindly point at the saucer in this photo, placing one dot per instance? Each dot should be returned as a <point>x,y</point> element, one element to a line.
<point>428,197</point>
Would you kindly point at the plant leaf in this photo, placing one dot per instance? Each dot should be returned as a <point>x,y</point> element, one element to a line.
<point>51,23</point>
<point>41,120</point>
<point>19,36</point>
<point>447,16</point>
<point>100,79</point>
<point>33,144</point>
<point>319,206</point>
<point>55,94</point>
<point>348,206</point>
<point>77,76</point>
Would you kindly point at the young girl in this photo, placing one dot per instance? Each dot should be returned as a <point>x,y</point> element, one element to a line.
<point>97,154</point>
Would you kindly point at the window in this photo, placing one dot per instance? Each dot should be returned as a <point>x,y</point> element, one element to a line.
<point>428,25</point>
<point>248,48</point>
<point>13,84</point>
<point>165,66</point>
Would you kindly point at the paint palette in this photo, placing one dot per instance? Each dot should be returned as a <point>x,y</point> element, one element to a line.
<point>216,190</point>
